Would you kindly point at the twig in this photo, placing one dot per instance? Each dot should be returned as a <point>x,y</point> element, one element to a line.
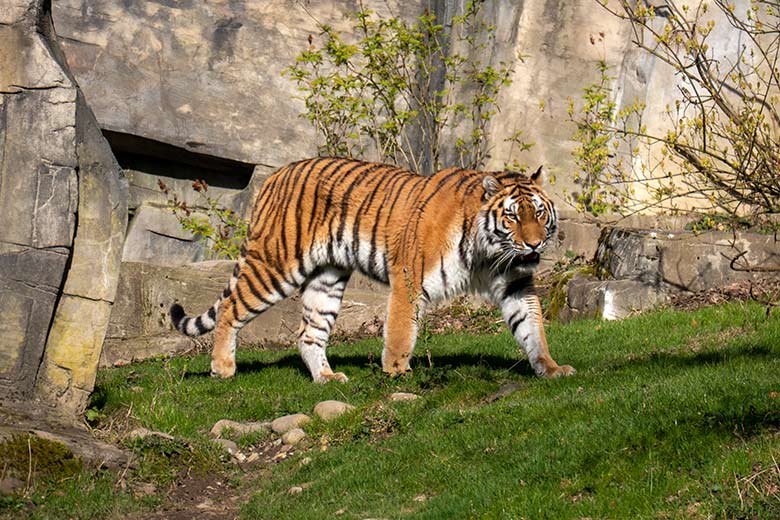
<point>29,465</point>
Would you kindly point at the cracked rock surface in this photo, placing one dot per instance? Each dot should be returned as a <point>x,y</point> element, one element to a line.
<point>63,210</point>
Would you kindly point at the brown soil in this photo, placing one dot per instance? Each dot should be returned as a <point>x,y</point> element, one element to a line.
<point>765,290</point>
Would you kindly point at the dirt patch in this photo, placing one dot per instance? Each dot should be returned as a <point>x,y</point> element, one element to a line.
<point>765,290</point>
<point>208,496</point>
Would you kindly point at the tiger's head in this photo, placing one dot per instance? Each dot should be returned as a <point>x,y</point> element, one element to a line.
<point>517,220</point>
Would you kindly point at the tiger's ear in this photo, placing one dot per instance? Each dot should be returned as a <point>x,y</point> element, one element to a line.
<point>537,177</point>
<point>491,185</point>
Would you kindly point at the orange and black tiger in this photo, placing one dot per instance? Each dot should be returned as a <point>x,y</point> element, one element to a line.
<point>316,221</point>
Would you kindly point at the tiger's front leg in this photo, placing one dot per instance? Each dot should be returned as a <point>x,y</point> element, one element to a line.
<point>400,330</point>
<point>523,315</point>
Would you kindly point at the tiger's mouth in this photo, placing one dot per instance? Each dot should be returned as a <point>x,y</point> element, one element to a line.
<point>525,260</point>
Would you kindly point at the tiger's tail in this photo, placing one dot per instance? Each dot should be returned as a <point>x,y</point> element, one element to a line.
<point>198,325</point>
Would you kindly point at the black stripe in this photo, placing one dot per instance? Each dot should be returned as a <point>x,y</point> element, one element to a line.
<point>391,186</point>
<point>300,185</point>
<point>514,322</point>
<point>444,180</point>
<point>277,286</point>
<point>199,325</point>
<point>330,314</point>
<point>257,294</point>
<point>317,187</point>
<point>212,314</point>
<point>317,327</point>
<point>323,174</point>
<point>342,214</point>
<point>345,201</point>
<point>443,272</point>
<point>465,242</point>
<point>259,278</point>
<point>240,298</point>
<point>362,209</point>
<point>518,286</point>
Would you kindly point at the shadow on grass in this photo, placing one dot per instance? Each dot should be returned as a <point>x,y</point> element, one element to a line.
<point>682,360</point>
<point>292,359</point>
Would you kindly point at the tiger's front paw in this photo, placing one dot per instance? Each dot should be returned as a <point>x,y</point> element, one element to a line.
<point>560,371</point>
<point>397,371</point>
<point>223,368</point>
<point>325,377</point>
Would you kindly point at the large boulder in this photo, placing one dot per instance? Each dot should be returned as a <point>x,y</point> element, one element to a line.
<point>587,297</point>
<point>63,209</point>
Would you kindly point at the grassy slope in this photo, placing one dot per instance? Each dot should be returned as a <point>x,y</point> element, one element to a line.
<point>668,412</point>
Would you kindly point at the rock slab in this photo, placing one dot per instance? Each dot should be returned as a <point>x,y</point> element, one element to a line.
<point>63,208</point>
<point>640,268</point>
<point>140,327</point>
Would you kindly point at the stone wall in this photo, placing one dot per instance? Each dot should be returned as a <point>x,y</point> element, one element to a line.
<point>140,327</point>
<point>639,268</point>
<point>63,212</point>
<point>207,76</point>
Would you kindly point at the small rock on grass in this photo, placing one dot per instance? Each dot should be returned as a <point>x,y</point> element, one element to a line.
<point>229,446</point>
<point>252,457</point>
<point>288,422</point>
<point>293,436</point>
<point>239,428</point>
<point>142,433</point>
<point>328,410</point>
<point>403,396</point>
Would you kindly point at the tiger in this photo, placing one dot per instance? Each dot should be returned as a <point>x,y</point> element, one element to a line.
<point>316,221</point>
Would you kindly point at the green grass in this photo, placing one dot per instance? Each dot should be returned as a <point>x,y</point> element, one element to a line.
<point>671,415</point>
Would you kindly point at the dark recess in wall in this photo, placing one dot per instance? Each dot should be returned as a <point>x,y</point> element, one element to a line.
<point>166,160</point>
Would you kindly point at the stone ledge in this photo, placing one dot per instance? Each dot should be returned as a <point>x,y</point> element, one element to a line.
<point>140,328</point>
<point>641,269</point>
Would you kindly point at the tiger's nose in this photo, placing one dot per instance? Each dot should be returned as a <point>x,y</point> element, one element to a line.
<point>534,245</point>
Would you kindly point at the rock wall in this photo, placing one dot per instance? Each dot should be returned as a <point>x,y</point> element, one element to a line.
<point>639,269</point>
<point>63,208</point>
<point>140,327</point>
<point>207,76</point>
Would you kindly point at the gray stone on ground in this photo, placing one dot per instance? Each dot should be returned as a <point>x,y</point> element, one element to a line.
<point>329,410</point>
<point>143,433</point>
<point>403,396</point>
<point>294,436</point>
<point>641,268</point>
<point>228,445</point>
<point>588,297</point>
<point>683,260</point>
<point>288,422</point>
<point>238,428</point>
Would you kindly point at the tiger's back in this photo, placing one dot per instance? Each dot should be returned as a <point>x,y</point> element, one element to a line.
<point>314,222</point>
<point>357,215</point>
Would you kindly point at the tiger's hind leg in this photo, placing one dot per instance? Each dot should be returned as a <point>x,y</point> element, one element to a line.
<point>257,288</point>
<point>321,299</point>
